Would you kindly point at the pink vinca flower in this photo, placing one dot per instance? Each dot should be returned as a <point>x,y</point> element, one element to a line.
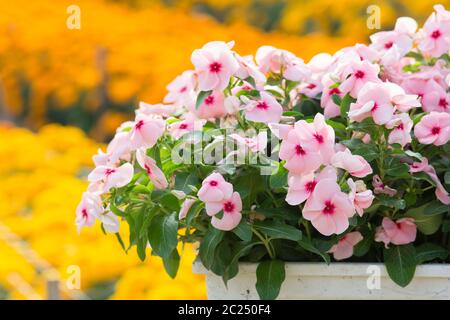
<point>356,165</point>
<point>299,159</point>
<point>154,173</point>
<point>374,100</point>
<point>380,188</point>
<point>214,64</point>
<point>433,128</point>
<point>401,126</point>
<point>328,208</point>
<point>255,144</point>
<point>215,189</point>
<point>423,166</point>
<point>118,149</point>
<point>212,107</point>
<point>185,207</point>
<point>89,209</point>
<point>361,199</point>
<point>436,98</point>
<point>402,231</point>
<point>110,222</point>
<point>357,74</point>
<point>231,208</point>
<point>188,124</point>
<point>331,109</point>
<point>247,68</point>
<point>163,110</point>
<point>266,109</point>
<point>300,187</point>
<point>344,248</point>
<point>434,37</point>
<point>317,135</point>
<point>107,177</point>
<point>182,90</point>
<point>146,131</point>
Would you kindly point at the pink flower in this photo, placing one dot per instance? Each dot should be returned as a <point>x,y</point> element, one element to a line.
<point>212,107</point>
<point>344,248</point>
<point>357,74</point>
<point>163,110</point>
<point>374,100</point>
<point>299,159</point>
<point>185,207</point>
<point>331,109</point>
<point>300,187</point>
<point>118,149</point>
<point>379,187</point>
<point>88,210</point>
<point>441,193</point>
<point>266,109</point>
<point>146,131</point>
<point>256,144</point>
<point>395,44</point>
<point>188,124</point>
<point>356,165</point>
<point>401,126</point>
<point>402,231</point>
<point>433,128</point>
<point>318,136</point>
<point>434,36</point>
<point>436,98</point>
<point>247,68</point>
<point>215,189</point>
<point>181,90</point>
<point>271,59</point>
<point>360,199</point>
<point>108,177</point>
<point>281,131</point>
<point>214,64</point>
<point>110,222</point>
<point>328,208</point>
<point>153,171</point>
<point>231,208</point>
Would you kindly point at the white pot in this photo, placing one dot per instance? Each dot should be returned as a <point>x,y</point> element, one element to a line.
<point>334,281</point>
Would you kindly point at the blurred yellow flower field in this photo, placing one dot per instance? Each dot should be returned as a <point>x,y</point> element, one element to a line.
<point>93,77</point>
<point>41,186</point>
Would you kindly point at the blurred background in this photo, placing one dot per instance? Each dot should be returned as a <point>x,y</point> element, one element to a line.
<point>64,91</point>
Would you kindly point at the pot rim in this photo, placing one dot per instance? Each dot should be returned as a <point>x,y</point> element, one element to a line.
<point>351,269</point>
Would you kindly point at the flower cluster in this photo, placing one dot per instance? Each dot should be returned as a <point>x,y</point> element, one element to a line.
<point>364,143</point>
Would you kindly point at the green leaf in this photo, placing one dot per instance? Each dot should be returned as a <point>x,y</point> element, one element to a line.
<point>363,246</point>
<point>446,226</point>
<point>336,99</point>
<point>345,105</point>
<point>353,143</point>
<point>428,217</point>
<point>395,168</point>
<point>166,199</point>
<point>367,151</point>
<point>292,114</point>
<point>400,263</point>
<point>269,278</point>
<point>279,179</point>
<point>201,98</point>
<point>278,230</point>
<point>392,202</point>
<point>243,231</point>
<point>208,246</point>
<point>447,177</point>
<point>232,269</point>
<point>306,244</point>
<point>163,234</point>
<point>141,247</point>
<point>172,263</point>
<point>116,210</point>
<point>430,251</point>
<point>184,179</point>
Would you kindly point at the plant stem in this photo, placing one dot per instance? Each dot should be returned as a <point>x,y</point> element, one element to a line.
<point>266,243</point>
